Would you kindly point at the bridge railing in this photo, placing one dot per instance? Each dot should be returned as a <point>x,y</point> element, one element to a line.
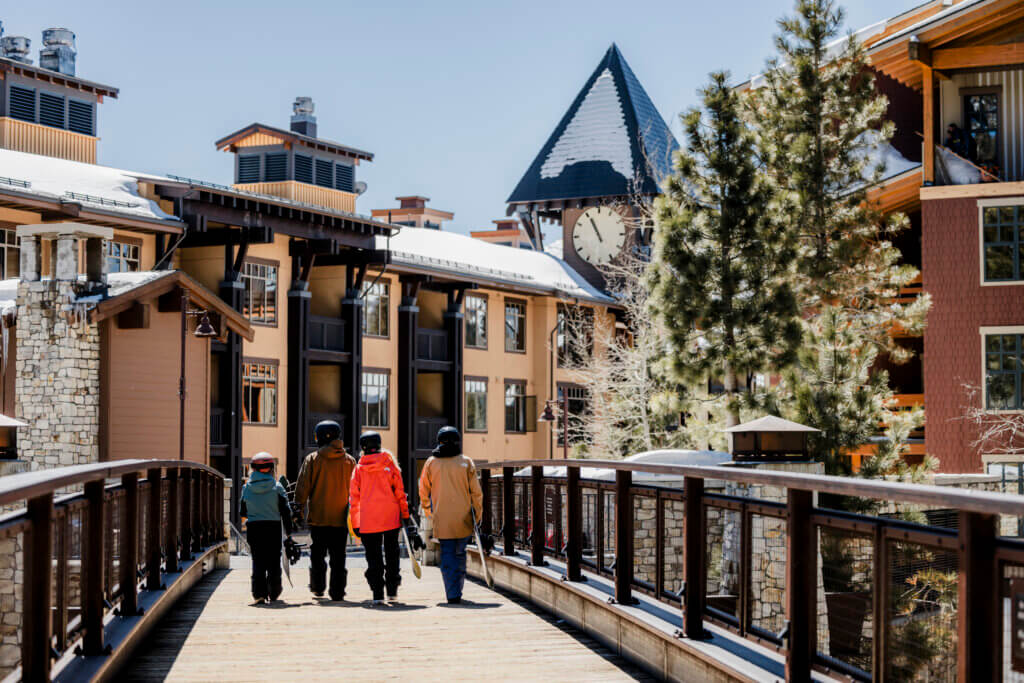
<point>866,595</point>
<point>81,542</point>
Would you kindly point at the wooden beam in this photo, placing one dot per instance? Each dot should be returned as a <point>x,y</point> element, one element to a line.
<point>928,153</point>
<point>135,318</point>
<point>978,56</point>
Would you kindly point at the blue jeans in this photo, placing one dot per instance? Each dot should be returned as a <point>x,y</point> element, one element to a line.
<point>453,565</point>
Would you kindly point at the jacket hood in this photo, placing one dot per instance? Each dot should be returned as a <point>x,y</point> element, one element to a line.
<point>446,450</point>
<point>262,482</point>
<point>332,455</point>
<point>376,462</point>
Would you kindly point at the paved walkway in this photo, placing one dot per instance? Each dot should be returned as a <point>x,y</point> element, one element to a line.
<point>216,634</point>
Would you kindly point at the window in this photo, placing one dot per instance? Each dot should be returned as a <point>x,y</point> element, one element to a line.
<point>476,404</point>
<point>260,304</point>
<point>80,117</point>
<point>248,168</point>
<point>259,392</point>
<point>376,309</point>
<point>123,257</point>
<point>344,177</point>
<point>51,110</point>
<point>22,104</point>
<point>575,337</point>
<point>275,167</point>
<point>11,262</point>
<point>577,406</point>
<point>515,406</point>
<point>1002,243</point>
<point>515,326</point>
<point>304,168</point>
<point>431,225</point>
<point>1004,369</point>
<point>981,123</point>
<point>375,399</point>
<point>476,322</point>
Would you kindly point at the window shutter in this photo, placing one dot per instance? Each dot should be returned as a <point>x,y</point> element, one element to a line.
<point>275,167</point>
<point>344,177</point>
<point>304,168</point>
<point>249,168</point>
<point>324,170</point>
<point>80,117</point>
<point>51,110</point>
<point>23,103</point>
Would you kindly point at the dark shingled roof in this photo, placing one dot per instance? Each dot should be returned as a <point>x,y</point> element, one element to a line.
<point>611,142</point>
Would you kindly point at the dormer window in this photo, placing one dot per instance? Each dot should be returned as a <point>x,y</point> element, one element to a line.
<point>50,109</point>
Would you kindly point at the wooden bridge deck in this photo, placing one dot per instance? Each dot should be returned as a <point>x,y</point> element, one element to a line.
<point>216,634</point>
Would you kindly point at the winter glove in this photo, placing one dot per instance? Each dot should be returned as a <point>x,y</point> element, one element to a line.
<point>415,540</point>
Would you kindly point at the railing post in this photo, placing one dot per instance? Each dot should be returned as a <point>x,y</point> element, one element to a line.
<point>979,606</point>
<point>171,553</point>
<point>153,547</point>
<point>537,515</point>
<point>129,550</point>
<point>880,605</point>
<point>508,501</point>
<point>801,585</point>
<point>574,540</point>
<point>188,517</point>
<point>93,548</point>
<point>485,486</point>
<point>36,614</point>
<point>221,532</point>
<point>694,552</point>
<point>624,537</point>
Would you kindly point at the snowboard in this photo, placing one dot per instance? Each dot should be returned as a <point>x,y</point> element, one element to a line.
<point>480,547</point>
<point>285,566</point>
<point>412,555</point>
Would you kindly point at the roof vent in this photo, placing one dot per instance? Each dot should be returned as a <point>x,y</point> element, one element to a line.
<point>58,51</point>
<point>303,121</point>
<point>16,48</point>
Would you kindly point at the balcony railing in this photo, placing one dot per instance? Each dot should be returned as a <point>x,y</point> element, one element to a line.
<point>326,334</point>
<point>218,426</point>
<point>432,345</point>
<point>426,432</point>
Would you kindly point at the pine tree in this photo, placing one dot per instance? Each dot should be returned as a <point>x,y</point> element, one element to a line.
<point>717,272</point>
<point>821,124</point>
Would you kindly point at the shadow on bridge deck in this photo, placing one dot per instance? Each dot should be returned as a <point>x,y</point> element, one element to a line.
<point>215,634</point>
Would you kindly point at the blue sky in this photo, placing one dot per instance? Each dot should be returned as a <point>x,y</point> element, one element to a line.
<point>454,98</point>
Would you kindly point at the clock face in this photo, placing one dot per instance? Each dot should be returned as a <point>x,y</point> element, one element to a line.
<point>599,235</point>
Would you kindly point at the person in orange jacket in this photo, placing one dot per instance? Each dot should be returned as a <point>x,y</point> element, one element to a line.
<point>379,509</point>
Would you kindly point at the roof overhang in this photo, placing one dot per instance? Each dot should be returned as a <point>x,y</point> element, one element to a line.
<point>58,209</point>
<point>228,141</point>
<point>57,78</point>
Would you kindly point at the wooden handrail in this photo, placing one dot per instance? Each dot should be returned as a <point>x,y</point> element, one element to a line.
<point>983,502</point>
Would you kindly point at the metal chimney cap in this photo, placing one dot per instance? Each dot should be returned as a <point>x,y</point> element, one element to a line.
<point>58,36</point>
<point>16,48</point>
<point>302,105</point>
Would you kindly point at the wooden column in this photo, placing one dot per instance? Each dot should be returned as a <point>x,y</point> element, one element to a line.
<point>93,565</point>
<point>979,605</point>
<point>38,570</point>
<point>801,585</point>
<point>928,153</point>
<point>694,558</point>
<point>624,537</point>
<point>187,481</point>
<point>129,550</point>
<point>352,372</point>
<point>153,524</point>
<point>485,487</point>
<point>508,502</point>
<point>574,538</point>
<point>408,321</point>
<point>537,529</point>
<point>455,333</point>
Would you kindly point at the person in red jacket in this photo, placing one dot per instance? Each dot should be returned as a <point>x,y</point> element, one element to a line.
<point>379,507</point>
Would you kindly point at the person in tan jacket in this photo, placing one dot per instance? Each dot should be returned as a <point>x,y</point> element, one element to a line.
<point>323,483</point>
<point>448,490</point>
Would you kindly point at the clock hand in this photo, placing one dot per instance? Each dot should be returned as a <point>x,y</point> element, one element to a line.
<point>595,230</point>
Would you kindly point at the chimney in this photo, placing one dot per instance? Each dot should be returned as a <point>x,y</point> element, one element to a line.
<point>58,51</point>
<point>15,48</point>
<point>303,121</point>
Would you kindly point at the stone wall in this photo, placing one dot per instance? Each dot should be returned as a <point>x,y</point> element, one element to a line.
<point>58,377</point>
<point>11,584</point>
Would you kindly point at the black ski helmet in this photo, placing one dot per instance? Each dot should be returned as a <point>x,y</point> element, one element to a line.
<point>369,442</point>
<point>325,432</point>
<point>448,436</point>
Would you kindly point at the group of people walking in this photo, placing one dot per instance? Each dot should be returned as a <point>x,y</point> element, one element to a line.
<point>337,494</point>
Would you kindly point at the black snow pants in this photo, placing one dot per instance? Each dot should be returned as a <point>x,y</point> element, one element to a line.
<point>265,542</point>
<point>382,568</point>
<point>324,541</point>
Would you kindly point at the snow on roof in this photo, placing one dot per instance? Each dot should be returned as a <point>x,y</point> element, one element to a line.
<point>6,421</point>
<point>94,187</point>
<point>465,256</point>
<point>884,155</point>
<point>770,423</point>
<point>122,283</point>
<point>960,170</point>
<point>556,249</point>
<point>9,296</point>
<point>934,18</point>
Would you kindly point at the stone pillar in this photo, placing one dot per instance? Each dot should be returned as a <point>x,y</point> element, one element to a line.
<point>31,260</point>
<point>66,268</point>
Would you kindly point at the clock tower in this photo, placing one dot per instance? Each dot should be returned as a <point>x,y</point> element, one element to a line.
<point>610,151</point>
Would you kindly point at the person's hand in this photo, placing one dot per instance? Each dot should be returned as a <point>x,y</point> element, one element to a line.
<point>488,543</point>
<point>415,540</point>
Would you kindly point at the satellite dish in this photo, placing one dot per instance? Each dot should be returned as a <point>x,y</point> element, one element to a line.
<point>360,187</point>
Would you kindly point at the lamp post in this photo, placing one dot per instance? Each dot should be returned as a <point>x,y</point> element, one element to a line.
<point>548,415</point>
<point>204,330</point>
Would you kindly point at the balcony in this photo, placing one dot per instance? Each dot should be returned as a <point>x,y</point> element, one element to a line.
<point>432,345</point>
<point>326,334</point>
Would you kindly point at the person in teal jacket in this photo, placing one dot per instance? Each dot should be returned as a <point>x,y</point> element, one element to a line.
<point>265,507</point>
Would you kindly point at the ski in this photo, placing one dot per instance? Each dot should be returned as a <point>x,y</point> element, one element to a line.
<point>285,564</point>
<point>480,547</point>
<point>412,555</point>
